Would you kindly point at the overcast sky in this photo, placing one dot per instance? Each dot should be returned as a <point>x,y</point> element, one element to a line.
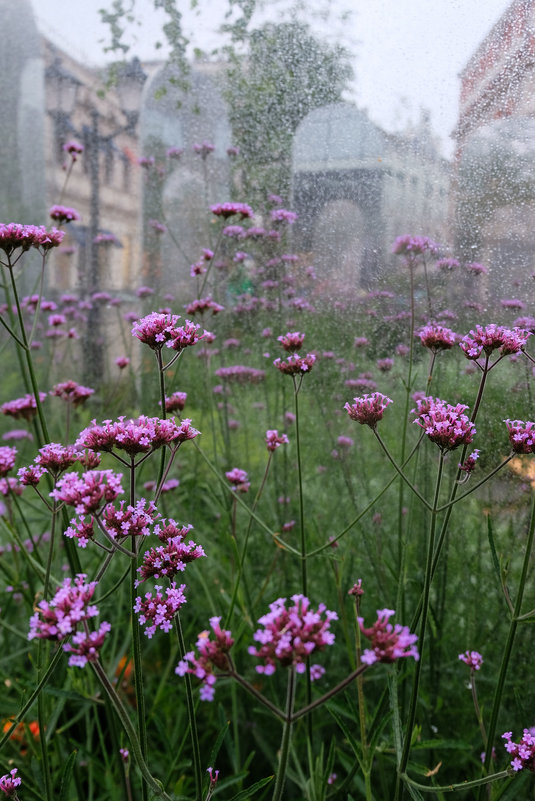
<point>408,53</point>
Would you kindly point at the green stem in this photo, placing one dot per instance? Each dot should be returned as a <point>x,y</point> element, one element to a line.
<point>304,582</point>
<point>286,737</point>
<point>191,716</point>
<point>130,732</point>
<point>509,642</point>
<point>423,625</point>
<point>400,472</point>
<point>452,788</point>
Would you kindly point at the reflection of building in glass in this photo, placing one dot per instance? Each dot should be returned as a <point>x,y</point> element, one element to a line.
<point>105,183</point>
<point>356,188</point>
<point>495,154</point>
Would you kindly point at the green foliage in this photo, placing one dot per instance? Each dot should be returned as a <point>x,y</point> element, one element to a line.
<point>285,73</point>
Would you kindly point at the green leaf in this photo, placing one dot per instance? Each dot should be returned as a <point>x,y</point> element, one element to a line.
<point>254,788</point>
<point>66,778</point>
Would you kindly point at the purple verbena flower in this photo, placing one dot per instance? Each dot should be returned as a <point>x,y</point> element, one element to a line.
<point>290,636</point>
<point>368,409</point>
<point>523,753</point>
<point>473,659</point>
<point>158,610</point>
<point>212,654</point>
<point>274,440</point>
<point>388,642</point>
<point>521,435</point>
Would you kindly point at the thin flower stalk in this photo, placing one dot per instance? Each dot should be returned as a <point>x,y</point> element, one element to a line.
<point>411,717</point>
<point>286,737</point>
<point>508,647</point>
<point>191,715</point>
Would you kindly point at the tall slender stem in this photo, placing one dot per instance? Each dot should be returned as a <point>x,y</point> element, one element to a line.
<point>286,737</point>
<point>506,656</point>
<point>423,624</point>
<point>191,716</point>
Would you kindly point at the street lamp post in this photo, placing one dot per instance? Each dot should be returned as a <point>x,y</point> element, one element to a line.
<point>128,80</point>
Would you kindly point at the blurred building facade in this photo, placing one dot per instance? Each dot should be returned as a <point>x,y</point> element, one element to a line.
<point>494,185</point>
<point>356,188</point>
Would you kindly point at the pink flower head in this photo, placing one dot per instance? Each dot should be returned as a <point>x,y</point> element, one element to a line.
<point>368,409</point>
<point>72,392</point>
<point>203,149</point>
<point>73,148</point>
<point>70,606</point>
<point>135,436</point>
<point>388,642</point>
<point>158,610</point>
<point>473,659</point>
<point>157,226</point>
<point>155,330</point>
<point>447,265</point>
<point>144,291</point>
<point>176,402</point>
<point>125,753</point>
<point>146,162</point>
<point>437,337</point>
<point>122,362</point>
<point>184,336</point>
<point>238,479</point>
<point>89,491</point>
<point>9,783</point>
<point>202,305</point>
<point>521,435</point>
<point>174,152</point>
<point>129,521</point>
<point>492,337</point>
<point>226,210</point>
<point>233,150</point>
<point>292,341</point>
<point>290,635</point>
<point>283,216</point>
<point>360,342</point>
<point>523,753</point>
<point>469,464</point>
<point>63,214</point>
<point>240,374</point>
<point>172,556</point>
<point>7,459</point>
<point>212,654</point>
<point>22,408</point>
<point>274,440</point>
<point>55,458</point>
<point>476,269</point>
<point>85,647</point>
<point>413,246</point>
<point>445,425</point>
<point>296,365</point>
<point>385,365</point>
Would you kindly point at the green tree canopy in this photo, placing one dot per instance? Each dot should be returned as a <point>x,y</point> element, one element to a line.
<point>286,73</point>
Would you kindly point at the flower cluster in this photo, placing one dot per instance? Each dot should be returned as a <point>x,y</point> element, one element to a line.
<point>469,464</point>
<point>69,608</point>
<point>9,783</point>
<point>368,409</point>
<point>296,365</point>
<point>175,402</point>
<point>413,246</point>
<point>212,653</point>
<point>85,646</point>
<point>157,330</point>
<point>157,611</point>
<point>292,341</point>
<point>473,659</point>
<point>238,479</point>
<point>171,557</point>
<point>22,408</point>
<point>445,425</point>
<point>55,458</point>
<point>388,642</point>
<point>274,440</point>
<point>202,305</point>
<point>7,459</point>
<point>88,491</point>
<point>437,337</point>
<point>521,435</point>
<point>289,636</point>
<point>283,216</point>
<point>232,209</point>
<point>132,521</point>
<point>240,374</point>
<point>491,337</point>
<point>135,436</point>
<point>72,392</point>
<point>15,235</point>
<point>523,753</point>
<point>63,214</point>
